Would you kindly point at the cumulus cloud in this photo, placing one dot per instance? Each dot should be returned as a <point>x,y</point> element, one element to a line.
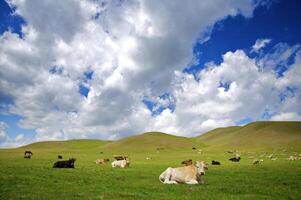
<point>259,44</point>
<point>134,50</point>
<point>291,116</point>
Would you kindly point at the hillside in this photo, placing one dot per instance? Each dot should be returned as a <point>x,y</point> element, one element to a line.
<point>72,145</point>
<point>152,141</point>
<point>253,135</point>
<point>256,134</point>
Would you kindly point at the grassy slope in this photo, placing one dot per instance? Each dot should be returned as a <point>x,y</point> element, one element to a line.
<point>35,179</point>
<point>255,135</point>
<point>150,142</point>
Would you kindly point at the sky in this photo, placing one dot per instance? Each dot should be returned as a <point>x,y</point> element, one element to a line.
<point>108,69</point>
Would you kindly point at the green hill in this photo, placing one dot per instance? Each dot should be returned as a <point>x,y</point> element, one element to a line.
<point>69,145</point>
<point>256,134</point>
<point>253,135</point>
<point>152,141</point>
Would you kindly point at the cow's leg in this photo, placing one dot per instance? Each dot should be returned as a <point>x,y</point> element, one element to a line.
<point>192,182</point>
<point>170,182</point>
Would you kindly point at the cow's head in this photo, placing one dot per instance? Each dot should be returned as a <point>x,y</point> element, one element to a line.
<point>201,167</point>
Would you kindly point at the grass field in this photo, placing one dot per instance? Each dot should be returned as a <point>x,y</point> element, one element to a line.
<point>36,179</point>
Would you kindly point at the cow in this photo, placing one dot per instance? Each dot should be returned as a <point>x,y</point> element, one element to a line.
<point>255,162</point>
<point>236,158</point>
<point>65,163</point>
<point>121,163</point>
<point>60,157</point>
<point>102,161</point>
<point>215,162</point>
<point>187,162</point>
<point>188,174</point>
<point>28,154</point>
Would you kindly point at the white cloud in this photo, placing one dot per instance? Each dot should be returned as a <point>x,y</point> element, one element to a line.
<point>260,44</point>
<point>291,116</point>
<point>134,50</point>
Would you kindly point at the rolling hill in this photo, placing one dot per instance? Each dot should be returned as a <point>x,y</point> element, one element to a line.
<point>153,141</point>
<point>256,134</point>
<point>253,135</point>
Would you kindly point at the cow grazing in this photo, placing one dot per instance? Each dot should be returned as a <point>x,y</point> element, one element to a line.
<point>189,174</point>
<point>255,162</point>
<point>187,162</point>
<point>214,162</point>
<point>65,163</point>
<point>121,163</point>
<point>60,157</point>
<point>102,161</point>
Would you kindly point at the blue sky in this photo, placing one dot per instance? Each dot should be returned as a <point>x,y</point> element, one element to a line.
<point>90,79</point>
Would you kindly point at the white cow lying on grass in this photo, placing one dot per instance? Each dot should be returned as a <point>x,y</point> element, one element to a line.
<point>121,163</point>
<point>189,174</point>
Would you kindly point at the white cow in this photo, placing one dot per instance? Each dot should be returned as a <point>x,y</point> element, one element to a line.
<point>189,174</point>
<point>121,163</point>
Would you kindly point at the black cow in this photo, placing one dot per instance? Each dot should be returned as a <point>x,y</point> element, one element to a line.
<point>28,154</point>
<point>214,162</point>
<point>60,157</point>
<point>65,163</point>
<point>235,159</point>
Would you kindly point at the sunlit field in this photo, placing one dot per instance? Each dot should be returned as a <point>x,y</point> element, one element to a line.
<point>36,179</point>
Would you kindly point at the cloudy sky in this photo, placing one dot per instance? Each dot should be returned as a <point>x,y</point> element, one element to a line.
<point>108,69</point>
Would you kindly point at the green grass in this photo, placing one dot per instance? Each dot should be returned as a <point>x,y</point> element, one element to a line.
<point>36,179</point>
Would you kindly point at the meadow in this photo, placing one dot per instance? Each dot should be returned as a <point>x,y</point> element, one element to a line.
<point>36,179</point>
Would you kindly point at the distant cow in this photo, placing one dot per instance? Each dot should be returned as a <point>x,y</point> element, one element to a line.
<point>189,174</point>
<point>187,162</point>
<point>214,162</point>
<point>102,161</point>
<point>28,154</point>
<point>121,163</point>
<point>65,163</point>
<point>60,157</point>
<point>235,159</point>
<point>193,148</point>
<point>255,162</point>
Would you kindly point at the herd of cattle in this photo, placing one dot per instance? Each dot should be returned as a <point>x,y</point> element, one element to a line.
<point>190,173</point>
